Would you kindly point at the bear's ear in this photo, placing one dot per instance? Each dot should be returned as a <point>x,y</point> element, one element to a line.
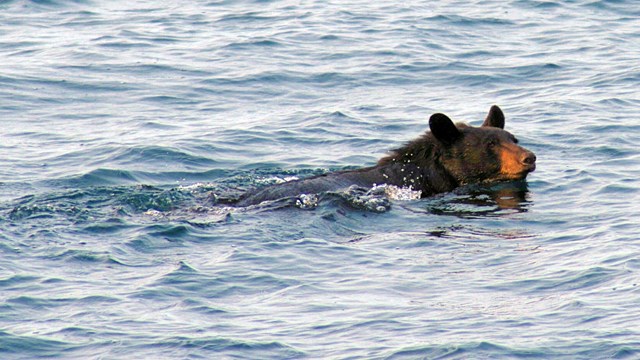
<point>495,118</point>
<point>443,128</point>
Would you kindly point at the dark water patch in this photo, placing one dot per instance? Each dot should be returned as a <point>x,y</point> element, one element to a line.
<point>85,256</point>
<point>202,308</point>
<point>619,189</point>
<point>18,281</point>
<point>541,4</point>
<point>626,352</point>
<point>98,299</point>
<point>102,177</point>
<point>203,347</point>
<point>151,243</point>
<point>330,37</point>
<point>441,235</point>
<point>474,350</point>
<point>169,232</point>
<point>52,89</point>
<point>107,226</point>
<point>247,17</point>
<point>46,4</point>
<point>616,7</point>
<point>37,346</point>
<point>38,303</point>
<point>632,264</point>
<point>159,125</point>
<point>118,70</point>
<point>453,21</point>
<point>53,281</point>
<point>564,281</point>
<point>620,102</point>
<point>169,100</point>
<point>356,16</point>
<point>260,43</point>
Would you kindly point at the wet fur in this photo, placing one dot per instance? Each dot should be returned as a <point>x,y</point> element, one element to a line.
<point>448,156</point>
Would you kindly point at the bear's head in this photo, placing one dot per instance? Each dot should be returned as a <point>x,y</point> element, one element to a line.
<point>480,154</point>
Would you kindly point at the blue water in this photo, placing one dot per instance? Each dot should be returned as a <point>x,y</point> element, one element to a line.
<point>122,122</point>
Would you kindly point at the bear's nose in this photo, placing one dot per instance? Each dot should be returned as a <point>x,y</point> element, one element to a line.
<point>529,158</point>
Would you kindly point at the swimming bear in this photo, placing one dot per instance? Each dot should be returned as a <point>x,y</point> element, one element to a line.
<point>442,159</point>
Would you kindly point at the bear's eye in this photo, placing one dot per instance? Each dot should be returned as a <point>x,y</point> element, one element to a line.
<point>492,143</point>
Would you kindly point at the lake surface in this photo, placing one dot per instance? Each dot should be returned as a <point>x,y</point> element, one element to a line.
<point>122,123</point>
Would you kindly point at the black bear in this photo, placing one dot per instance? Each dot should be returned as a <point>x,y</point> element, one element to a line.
<point>448,156</point>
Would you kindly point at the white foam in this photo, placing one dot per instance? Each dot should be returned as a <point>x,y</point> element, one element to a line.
<point>193,187</point>
<point>276,180</point>
<point>307,201</point>
<point>394,192</point>
<point>154,213</point>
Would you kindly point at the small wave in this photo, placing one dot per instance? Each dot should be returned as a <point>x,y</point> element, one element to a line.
<point>263,82</point>
<point>47,303</point>
<point>39,346</point>
<point>461,20</point>
<point>86,256</point>
<point>246,17</point>
<point>540,4</point>
<point>482,349</point>
<point>17,280</point>
<point>47,4</point>
<point>221,347</point>
<point>563,281</point>
<point>264,43</point>
<point>186,279</point>
<point>160,155</point>
<point>102,177</point>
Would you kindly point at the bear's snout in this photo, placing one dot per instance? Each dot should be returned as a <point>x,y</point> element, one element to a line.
<point>516,162</point>
<point>529,158</point>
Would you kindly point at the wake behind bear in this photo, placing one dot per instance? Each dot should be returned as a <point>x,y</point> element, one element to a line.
<point>448,156</point>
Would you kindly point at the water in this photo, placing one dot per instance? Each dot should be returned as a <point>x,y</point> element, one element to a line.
<point>122,123</point>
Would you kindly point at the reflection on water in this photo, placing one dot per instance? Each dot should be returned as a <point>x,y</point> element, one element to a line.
<point>483,200</point>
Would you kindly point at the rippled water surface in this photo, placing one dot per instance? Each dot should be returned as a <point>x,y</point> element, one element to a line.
<point>125,124</point>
